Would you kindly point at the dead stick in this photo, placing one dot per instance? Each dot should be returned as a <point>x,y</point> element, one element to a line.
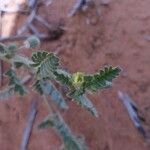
<point>43,21</point>
<point>77,7</point>
<point>132,111</point>
<point>32,3</point>
<point>28,129</point>
<point>46,24</point>
<point>29,21</point>
<point>34,30</point>
<point>23,37</point>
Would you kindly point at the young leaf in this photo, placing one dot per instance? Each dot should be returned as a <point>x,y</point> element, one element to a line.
<point>79,84</point>
<point>46,63</point>
<point>37,85</point>
<point>82,83</point>
<point>102,79</point>
<point>65,79</point>
<point>71,142</point>
<point>15,82</point>
<point>84,102</point>
<point>7,51</point>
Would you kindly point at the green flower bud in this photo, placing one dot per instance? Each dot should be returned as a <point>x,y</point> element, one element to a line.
<point>32,42</point>
<point>78,79</point>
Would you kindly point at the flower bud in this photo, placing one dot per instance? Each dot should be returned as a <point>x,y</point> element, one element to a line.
<point>32,42</point>
<point>78,79</point>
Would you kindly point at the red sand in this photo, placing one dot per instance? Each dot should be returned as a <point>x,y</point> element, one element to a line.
<point>115,37</point>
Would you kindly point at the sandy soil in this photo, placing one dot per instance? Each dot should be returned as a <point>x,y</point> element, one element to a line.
<point>116,36</point>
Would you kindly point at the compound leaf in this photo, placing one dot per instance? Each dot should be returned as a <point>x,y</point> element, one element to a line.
<point>80,83</point>
<point>102,79</point>
<point>46,63</point>
<point>71,142</point>
<point>15,82</point>
<point>84,102</point>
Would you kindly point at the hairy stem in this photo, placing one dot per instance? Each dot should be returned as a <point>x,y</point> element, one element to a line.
<point>49,105</point>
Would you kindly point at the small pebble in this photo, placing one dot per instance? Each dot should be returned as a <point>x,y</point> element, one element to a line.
<point>93,21</point>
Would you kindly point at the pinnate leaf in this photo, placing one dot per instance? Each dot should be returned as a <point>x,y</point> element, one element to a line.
<point>71,142</point>
<point>46,63</point>
<point>15,82</point>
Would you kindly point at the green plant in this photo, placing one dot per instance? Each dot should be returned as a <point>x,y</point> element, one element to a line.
<point>46,70</point>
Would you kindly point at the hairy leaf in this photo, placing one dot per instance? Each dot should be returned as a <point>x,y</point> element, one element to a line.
<point>84,102</point>
<point>82,83</point>
<point>38,86</point>
<point>7,51</point>
<point>46,63</point>
<point>71,142</point>
<point>102,79</point>
<point>79,84</point>
<point>15,82</point>
<point>65,79</point>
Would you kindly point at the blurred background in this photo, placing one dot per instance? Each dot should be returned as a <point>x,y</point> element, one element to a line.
<point>104,32</point>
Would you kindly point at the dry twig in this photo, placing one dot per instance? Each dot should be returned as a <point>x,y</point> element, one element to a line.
<point>132,111</point>
<point>28,22</point>
<point>52,34</point>
<point>32,3</point>
<point>77,7</point>
<point>81,5</point>
<point>23,37</point>
<point>28,129</point>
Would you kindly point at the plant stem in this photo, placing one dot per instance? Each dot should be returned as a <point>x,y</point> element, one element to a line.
<point>50,108</point>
